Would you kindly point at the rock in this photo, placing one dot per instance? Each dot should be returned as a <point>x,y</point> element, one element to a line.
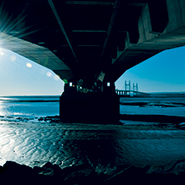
<point>179,168</point>
<point>128,173</point>
<point>48,169</point>
<point>41,119</point>
<point>16,169</point>
<point>13,173</point>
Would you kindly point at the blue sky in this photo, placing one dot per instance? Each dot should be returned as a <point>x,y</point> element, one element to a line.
<point>21,76</point>
<point>164,72</point>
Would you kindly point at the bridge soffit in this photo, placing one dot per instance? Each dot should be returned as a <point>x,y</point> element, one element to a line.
<point>92,38</point>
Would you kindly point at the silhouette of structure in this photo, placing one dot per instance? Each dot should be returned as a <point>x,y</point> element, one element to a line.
<point>127,88</point>
<point>128,92</point>
<point>135,89</point>
<point>90,43</point>
<point>121,93</point>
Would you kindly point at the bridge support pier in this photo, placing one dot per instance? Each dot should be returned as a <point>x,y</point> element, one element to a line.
<point>90,107</point>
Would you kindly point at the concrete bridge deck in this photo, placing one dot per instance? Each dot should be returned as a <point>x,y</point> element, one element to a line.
<point>89,43</point>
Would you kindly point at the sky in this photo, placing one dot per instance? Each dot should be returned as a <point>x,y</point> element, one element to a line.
<point>21,76</point>
<point>164,72</point>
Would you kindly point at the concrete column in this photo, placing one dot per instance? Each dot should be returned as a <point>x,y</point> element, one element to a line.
<point>91,107</point>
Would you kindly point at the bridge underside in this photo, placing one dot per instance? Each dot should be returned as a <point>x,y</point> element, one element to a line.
<point>90,44</point>
<point>89,41</point>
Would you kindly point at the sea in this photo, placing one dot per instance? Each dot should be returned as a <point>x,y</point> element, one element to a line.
<point>31,134</point>
<point>28,107</point>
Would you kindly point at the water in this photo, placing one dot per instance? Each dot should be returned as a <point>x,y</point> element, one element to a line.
<point>104,147</point>
<point>153,106</point>
<point>29,107</point>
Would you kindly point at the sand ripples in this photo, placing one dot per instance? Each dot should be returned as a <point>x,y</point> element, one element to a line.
<point>102,146</point>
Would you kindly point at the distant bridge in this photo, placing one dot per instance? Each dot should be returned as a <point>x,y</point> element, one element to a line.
<point>130,93</point>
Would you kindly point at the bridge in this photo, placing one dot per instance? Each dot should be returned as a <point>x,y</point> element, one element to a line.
<point>131,93</point>
<point>90,44</point>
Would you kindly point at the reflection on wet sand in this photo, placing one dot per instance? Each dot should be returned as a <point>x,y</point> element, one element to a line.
<point>97,154</point>
<point>104,147</point>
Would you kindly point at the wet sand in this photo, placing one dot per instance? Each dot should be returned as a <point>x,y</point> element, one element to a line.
<point>91,153</point>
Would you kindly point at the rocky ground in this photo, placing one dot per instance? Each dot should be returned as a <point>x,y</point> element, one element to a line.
<point>13,173</point>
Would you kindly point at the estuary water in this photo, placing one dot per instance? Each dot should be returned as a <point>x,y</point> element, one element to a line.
<point>30,107</point>
<point>27,138</point>
<point>153,106</point>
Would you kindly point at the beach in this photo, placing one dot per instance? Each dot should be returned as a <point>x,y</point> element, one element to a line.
<point>81,153</point>
<point>78,151</point>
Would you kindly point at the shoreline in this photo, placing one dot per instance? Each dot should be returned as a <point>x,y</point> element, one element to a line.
<point>153,118</point>
<point>177,121</point>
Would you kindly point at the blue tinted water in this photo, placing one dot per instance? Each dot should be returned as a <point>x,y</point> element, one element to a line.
<point>154,106</point>
<point>29,106</point>
<point>104,147</point>
<point>39,106</point>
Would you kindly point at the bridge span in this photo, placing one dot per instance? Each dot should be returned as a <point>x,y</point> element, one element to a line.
<point>131,93</point>
<point>90,44</point>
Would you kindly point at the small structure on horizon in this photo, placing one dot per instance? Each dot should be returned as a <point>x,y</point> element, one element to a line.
<point>128,91</point>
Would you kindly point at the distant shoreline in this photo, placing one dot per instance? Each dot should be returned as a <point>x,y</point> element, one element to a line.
<point>30,96</point>
<point>167,94</point>
<point>158,95</point>
<point>17,99</point>
<point>33,101</point>
<point>154,118</point>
